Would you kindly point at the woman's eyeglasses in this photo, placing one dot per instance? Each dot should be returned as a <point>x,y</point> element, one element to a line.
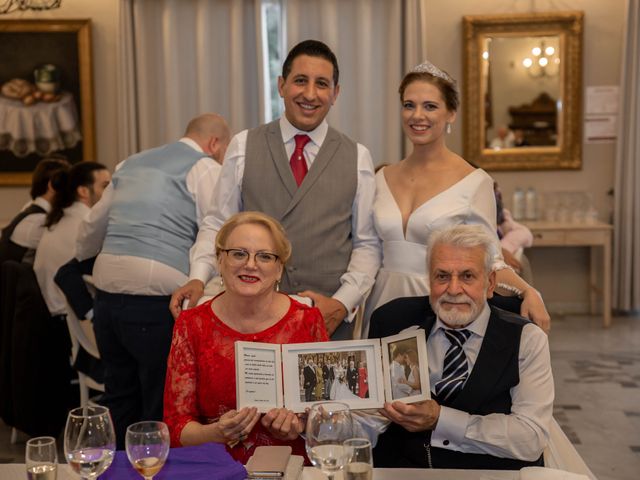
<point>239,256</point>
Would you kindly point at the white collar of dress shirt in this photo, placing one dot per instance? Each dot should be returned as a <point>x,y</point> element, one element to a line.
<point>77,209</point>
<point>192,144</point>
<point>289,131</point>
<point>478,326</point>
<point>43,203</point>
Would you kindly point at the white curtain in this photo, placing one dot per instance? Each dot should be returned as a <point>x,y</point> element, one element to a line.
<point>375,42</point>
<point>180,58</point>
<point>414,45</point>
<point>626,284</point>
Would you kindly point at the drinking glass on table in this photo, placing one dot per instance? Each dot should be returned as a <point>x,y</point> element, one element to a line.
<point>89,441</point>
<point>359,460</point>
<point>329,424</point>
<point>41,458</point>
<point>147,445</point>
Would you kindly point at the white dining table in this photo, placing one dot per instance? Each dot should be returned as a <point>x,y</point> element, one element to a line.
<point>16,471</point>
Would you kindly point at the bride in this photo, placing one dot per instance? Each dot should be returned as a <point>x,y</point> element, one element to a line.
<point>432,188</point>
<point>339,387</point>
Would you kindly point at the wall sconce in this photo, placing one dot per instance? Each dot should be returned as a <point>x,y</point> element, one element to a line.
<point>8,6</point>
<point>545,61</point>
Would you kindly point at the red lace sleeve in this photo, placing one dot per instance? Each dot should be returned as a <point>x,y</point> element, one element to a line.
<point>318,329</point>
<point>180,384</point>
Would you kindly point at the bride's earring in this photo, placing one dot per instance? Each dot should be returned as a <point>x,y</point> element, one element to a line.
<point>448,129</point>
<point>277,285</point>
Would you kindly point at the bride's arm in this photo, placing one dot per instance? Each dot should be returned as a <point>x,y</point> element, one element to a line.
<point>533,308</point>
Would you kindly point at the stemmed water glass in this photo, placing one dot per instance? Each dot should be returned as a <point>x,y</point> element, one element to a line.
<point>147,445</point>
<point>329,424</point>
<point>41,458</point>
<point>89,441</point>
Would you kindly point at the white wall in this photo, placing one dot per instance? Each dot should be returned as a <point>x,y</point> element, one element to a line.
<point>104,17</point>
<point>559,274</point>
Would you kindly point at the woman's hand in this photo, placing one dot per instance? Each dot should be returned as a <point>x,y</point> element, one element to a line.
<point>283,424</point>
<point>533,308</point>
<point>234,426</point>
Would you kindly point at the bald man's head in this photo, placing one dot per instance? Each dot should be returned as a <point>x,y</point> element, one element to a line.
<point>211,132</point>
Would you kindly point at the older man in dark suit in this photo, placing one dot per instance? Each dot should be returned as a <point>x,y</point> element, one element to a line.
<point>489,370</point>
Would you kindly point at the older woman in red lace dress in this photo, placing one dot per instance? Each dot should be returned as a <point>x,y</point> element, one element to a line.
<point>200,390</point>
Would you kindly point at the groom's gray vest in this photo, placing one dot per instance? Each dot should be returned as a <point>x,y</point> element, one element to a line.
<point>317,215</point>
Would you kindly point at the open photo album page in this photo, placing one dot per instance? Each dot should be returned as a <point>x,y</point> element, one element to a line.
<point>362,373</point>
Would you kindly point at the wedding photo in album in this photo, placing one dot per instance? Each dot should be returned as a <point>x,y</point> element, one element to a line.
<point>362,373</point>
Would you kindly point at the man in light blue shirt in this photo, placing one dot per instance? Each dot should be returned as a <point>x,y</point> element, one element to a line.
<point>143,229</point>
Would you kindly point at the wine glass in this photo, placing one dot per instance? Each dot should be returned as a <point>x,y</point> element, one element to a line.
<point>147,445</point>
<point>41,458</point>
<point>89,441</point>
<point>329,424</point>
<point>359,459</point>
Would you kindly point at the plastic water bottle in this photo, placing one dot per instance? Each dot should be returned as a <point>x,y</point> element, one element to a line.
<point>518,204</point>
<point>531,204</point>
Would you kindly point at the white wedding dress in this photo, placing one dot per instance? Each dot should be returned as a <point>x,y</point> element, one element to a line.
<point>403,271</point>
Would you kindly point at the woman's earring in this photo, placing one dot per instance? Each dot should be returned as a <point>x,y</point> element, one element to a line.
<point>221,282</point>
<point>448,128</point>
<point>277,285</point>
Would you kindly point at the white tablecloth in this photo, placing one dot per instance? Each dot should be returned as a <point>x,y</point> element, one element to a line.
<point>16,471</point>
<point>41,128</point>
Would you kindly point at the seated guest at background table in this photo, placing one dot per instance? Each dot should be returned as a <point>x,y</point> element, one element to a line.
<point>141,232</point>
<point>514,238</point>
<point>504,138</point>
<point>489,370</point>
<point>76,192</point>
<point>519,139</point>
<point>200,391</point>
<point>71,280</point>
<point>24,232</point>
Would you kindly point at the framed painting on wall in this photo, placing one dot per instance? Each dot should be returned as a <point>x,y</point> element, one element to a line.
<point>46,95</point>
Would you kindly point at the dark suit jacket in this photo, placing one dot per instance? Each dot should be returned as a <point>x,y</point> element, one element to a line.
<point>352,375</point>
<point>8,249</point>
<point>310,379</point>
<point>69,279</point>
<point>486,391</point>
<point>327,373</point>
<point>35,375</point>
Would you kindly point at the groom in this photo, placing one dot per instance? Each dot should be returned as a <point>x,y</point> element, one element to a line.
<point>316,181</point>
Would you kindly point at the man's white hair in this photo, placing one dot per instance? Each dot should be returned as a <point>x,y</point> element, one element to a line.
<point>465,236</point>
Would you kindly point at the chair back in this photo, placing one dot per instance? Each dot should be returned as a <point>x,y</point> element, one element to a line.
<point>82,333</point>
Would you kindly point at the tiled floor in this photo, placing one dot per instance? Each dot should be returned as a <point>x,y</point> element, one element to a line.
<point>597,378</point>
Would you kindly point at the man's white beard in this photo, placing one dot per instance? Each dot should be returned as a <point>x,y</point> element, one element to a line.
<point>454,317</point>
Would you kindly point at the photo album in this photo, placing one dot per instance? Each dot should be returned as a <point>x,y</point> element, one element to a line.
<point>361,373</point>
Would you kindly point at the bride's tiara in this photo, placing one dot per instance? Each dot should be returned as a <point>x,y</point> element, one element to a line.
<point>431,69</point>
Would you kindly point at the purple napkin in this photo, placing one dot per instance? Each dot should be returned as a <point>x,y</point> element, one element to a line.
<point>205,462</point>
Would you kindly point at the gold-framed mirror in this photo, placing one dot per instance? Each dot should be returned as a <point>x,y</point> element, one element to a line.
<point>523,91</point>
